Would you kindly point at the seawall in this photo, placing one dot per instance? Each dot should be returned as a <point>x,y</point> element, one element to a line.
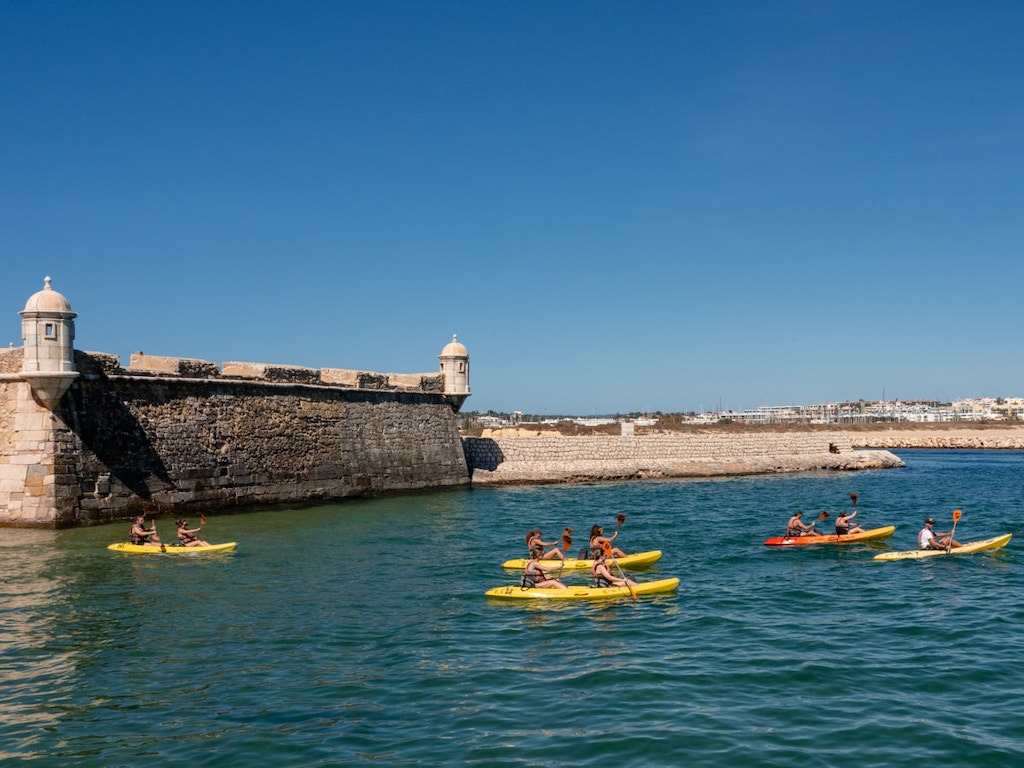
<point>178,436</point>
<point>603,457</point>
<point>987,437</point>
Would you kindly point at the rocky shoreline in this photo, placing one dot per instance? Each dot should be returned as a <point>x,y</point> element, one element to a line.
<point>1007,438</point>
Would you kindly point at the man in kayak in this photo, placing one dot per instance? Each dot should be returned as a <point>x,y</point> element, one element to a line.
<point>138,534</point>
<point>536,576</point>
<point>603,575</point>
<point>797,527</point>
<point>927,538</point>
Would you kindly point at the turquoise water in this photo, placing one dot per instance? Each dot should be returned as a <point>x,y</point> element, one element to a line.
<point>357,634</point>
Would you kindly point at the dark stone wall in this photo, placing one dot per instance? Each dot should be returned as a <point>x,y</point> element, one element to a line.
<point>153,444</point>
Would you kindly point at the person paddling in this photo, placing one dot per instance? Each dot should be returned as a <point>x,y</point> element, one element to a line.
<point>845,524</point>
<point>603,575</point>
<point>140,535</point>
<point>534,575</point>
<point>597,540</point>
<point>928,538</point>
<point>797,527</point>
<point>187,536</point>
<point>535,544</point>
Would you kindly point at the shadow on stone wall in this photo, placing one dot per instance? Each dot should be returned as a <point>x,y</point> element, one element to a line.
<point>482,453</point>
<point>109,431</point>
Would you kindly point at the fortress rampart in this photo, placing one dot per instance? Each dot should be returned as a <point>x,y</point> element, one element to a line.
<point>178,434</point>
<point>603,457</point>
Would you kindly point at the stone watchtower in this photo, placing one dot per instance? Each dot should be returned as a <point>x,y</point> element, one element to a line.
<point>48,330</point>
<point>455,369</point>
<point>37,486</point>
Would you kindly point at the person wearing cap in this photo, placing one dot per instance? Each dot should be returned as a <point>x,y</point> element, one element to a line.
<point>797,527</point>
<point>187,536</point>
<point>535,544</point>
<point>534,575</point>
<point>139,534</point>
<point>928,538</point>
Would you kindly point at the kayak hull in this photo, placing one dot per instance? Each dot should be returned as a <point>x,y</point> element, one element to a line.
<point>170,549</point>
<point>637,560</point>
<point>996,542</point>
<point>516,592</point>
<point>874,534</point>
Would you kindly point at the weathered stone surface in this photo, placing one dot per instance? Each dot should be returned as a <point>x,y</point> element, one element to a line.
<point>944,437</point>
<point>124,444</point>
<point>603,457</point>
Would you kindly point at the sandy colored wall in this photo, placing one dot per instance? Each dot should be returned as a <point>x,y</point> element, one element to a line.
<point>602,457</point>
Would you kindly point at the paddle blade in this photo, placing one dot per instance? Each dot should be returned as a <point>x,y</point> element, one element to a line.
<point>621,518</point>
<point>566,543</point>
<point>853,498</point>
<point>202,519</point>
<point>823,515</point>
<point>606,547</point>
<point>956,515</point>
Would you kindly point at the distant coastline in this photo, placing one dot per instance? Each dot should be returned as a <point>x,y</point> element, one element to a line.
<point>957,436</point>
<point>886,435</point>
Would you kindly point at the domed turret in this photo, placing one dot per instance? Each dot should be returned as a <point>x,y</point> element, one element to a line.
<point>455,368</point>
<point>48,300</point>
<point>48,330</point>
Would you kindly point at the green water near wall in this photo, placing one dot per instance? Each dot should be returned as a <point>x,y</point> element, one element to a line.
<point>357,634</point>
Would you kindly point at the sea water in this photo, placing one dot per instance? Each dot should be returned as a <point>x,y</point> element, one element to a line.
<point>358,633</point>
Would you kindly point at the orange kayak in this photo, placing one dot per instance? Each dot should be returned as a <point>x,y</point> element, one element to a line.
<point>875,534</point>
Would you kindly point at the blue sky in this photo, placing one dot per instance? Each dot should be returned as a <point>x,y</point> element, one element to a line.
<point>617,206</point>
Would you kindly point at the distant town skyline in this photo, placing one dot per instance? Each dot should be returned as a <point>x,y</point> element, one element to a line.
<point>923,411</point>
<point>660,206</point>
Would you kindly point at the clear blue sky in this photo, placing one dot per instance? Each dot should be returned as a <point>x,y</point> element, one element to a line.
<point>617,206</point>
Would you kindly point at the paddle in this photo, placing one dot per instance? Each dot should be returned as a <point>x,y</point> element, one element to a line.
<point>608,553</point>
<point>956,519</point>
<point>823,516</point>
<point>566,545</point>
<point>152,527</point>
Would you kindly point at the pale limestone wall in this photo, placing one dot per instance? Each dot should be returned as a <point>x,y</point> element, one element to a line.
<point>34,476</point>
<point>559,459</point>
<point>177,366</point>
<point>945,437</point>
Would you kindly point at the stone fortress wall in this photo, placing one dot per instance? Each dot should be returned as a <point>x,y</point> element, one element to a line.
<point>179,434</point>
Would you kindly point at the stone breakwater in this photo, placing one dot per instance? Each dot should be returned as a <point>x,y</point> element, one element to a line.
<point>990,437</point>
<point>601,457</point>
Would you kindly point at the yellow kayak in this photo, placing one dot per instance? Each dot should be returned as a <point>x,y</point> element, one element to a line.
<point>637,560</point>
<point>516,592</point>
<point>169,549</point>
<point>996,542</point>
